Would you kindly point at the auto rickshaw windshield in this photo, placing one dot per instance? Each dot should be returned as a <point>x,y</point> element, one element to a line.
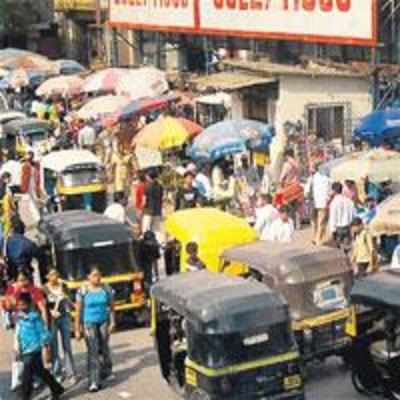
<point>36,136</point>
<point>114,260</point>
<point>218,351</point>
<point>78,177</point>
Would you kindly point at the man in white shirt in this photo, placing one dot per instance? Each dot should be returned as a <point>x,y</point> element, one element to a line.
<point>116,210</point>
<point>282,229</point>
<point>87,137</point>
<point>341,214</point>
<point>318,191</point>
<point>266,214</point>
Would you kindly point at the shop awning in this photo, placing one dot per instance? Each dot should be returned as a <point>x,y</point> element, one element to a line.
<point>230,81</point>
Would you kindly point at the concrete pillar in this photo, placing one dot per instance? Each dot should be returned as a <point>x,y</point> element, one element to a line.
<point>182,59</point>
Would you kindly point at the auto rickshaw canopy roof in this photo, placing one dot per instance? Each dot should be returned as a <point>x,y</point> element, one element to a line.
<point>60,161</point>
<point>80,229</point>
<point>280,260</point>
<point>213,230</point>
<point>11,115</point>
<point>218,304</point>
<point>379,290</point>
<point>18,126</point>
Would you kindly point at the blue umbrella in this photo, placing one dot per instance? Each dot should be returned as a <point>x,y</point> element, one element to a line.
<point>231,137</point>
<point>379,126</point>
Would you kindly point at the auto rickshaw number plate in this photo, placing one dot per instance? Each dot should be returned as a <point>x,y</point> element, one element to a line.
<point>291,382</point>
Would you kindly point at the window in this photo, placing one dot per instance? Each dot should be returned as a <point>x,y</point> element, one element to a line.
<point>328,121</point>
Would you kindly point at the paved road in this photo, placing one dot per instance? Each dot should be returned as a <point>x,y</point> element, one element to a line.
<point>137,376</point>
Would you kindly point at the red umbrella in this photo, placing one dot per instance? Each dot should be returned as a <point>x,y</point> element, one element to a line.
<point>193,128</point>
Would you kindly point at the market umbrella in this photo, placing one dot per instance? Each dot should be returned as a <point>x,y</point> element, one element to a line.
<point>102,106</point>
<point>64,85</point>
<point>387,219</point>
<point>231,137</point>
<point>163,134</point>
<point>105,80</point>
<point>143,82</point>
<point>193,128</point>
<point>21,77</point>
<point>379,126</point>
<point>68,67</point>
<point>378,165</point>
<point>145,105</point>
<point>28,62</point>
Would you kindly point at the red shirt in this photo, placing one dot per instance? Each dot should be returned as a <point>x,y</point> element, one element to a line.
<point>139,195</point>
<point>36,293</point>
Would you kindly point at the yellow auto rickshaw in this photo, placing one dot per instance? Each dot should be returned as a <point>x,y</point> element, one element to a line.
<point>21,135</point>
<point>75,241</point>
<point>212,230</point>
<point>75,179</point>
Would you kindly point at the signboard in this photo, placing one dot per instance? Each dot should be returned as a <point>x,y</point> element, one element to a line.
<point>326,21</point>
<point>78,5</point>
<point>172,15</point>
<point>148,158</point>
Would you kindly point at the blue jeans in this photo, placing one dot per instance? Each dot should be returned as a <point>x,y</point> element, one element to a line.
<point>61,327</point>
<point>99,355</point>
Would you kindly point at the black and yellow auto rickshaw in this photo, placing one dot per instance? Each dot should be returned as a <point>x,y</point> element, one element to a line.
<point>375,353</point>
<point>76,241</point>
<point>21,135</point>
<point>75,179</point>
<point>316,282</point>
<point>221,337</point>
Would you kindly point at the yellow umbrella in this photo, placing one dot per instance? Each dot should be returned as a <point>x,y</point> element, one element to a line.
<point>378,165</point>
<point>163,134</point>
<point>387,219</point>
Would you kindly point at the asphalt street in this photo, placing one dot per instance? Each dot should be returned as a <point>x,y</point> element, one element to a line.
<point>137,376</point>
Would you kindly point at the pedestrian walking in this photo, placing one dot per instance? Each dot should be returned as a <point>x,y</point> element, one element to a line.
<point>32,338</point>
<point>20,252</point>
<point>153,205</point>
<point>59,307</point>
<point>95,318</point>
<point>318,192</point>
<point>364,254</point>
<point>24,284</point>
<point>187,195</point>
<point>341,214</point>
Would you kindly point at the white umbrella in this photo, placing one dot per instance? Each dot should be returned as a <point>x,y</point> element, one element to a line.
<point>143,82</point>
<point>102,106</point>
<point>64,85</point>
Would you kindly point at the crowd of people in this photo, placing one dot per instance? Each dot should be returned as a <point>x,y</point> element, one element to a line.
<point>268,188</point>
